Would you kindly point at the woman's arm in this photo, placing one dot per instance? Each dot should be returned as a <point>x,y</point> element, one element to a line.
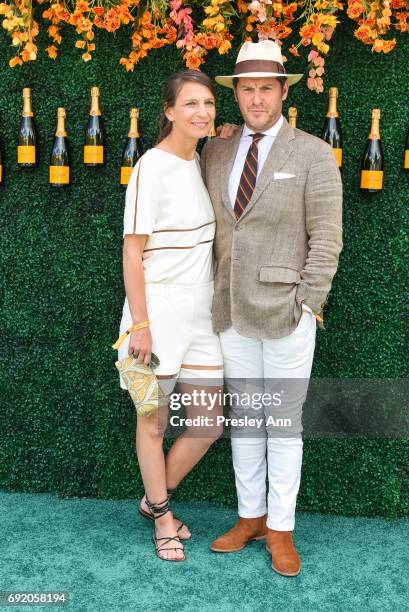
<point>134,280</point>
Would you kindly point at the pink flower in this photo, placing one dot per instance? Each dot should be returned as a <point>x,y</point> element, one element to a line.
<point>312,54</point>
<point>254,6</point>
<point>311,84</point>
<point>312,73</point>
<point>320,71</point>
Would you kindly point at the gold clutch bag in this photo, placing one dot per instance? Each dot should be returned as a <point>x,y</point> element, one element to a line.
<point>142,384</point>
<point>139,378</point>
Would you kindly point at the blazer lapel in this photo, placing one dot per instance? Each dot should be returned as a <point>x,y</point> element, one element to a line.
<point>280,150</point>
<point>226,164</point>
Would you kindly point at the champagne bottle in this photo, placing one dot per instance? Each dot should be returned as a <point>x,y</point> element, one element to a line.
<point>94,133</point>
<point>59,162</point>
<point>27,138</point>
<point>202,141</point>
<point>132,150</point>
<point>292,116</point>
<point>406,154</point>
<point>372,159</point>
<point>331,130</point>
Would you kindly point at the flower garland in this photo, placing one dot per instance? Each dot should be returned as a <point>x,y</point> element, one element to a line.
<point>155,23</point>
<point>19,24</point>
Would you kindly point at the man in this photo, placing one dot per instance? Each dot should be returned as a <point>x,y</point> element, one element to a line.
<point>277,194</point>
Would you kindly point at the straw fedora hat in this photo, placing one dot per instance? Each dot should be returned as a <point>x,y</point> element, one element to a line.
<point>261,59</point>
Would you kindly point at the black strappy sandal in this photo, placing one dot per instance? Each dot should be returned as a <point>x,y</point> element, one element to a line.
<point>150,517</point>
<point>158,510</point>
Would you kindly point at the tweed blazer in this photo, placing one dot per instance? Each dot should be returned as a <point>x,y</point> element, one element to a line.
<point>285,247</point>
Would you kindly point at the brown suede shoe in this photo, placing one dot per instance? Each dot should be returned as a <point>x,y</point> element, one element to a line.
<point>284,557</point>
<point>245,530</point>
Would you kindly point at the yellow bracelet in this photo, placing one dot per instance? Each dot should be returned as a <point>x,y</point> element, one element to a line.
<point>133,328</point>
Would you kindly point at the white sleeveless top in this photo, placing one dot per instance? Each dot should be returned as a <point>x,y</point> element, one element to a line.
<point>174,210</point>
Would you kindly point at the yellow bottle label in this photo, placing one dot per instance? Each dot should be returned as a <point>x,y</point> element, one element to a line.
<point>93,154</point>
<point>26,154</point>
<point>60,174</point>
<point>125,174</point>
<point>338,156</point>
<point>406,166</point>
<point>371,179</point>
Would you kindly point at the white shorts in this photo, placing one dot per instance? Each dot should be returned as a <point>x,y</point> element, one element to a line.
<point>181,326</point>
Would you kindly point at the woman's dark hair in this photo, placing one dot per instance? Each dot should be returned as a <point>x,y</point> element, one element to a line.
<point>171,89</point>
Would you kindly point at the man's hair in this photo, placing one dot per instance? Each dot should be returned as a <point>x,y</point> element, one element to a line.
<point>282,80</point>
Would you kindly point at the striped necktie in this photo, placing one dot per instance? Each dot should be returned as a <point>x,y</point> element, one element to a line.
<point>248,177</point>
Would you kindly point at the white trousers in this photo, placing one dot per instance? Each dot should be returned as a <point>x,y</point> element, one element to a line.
<point>272,455</point>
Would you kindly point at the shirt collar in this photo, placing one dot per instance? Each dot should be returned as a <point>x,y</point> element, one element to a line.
<point>273,131</point>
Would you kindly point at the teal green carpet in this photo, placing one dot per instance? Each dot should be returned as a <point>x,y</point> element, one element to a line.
<point>100,553</point>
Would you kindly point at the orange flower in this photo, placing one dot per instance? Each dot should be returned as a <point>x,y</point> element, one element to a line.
<point>86,57</point>
<point>80,44</point>
<point>317,38</point>
<point>15,61</point>
<point>364,34</point>
<point>52,51</point>
<point>224,47</point>
<point>321,4</point>
<point>282,31</point>
<point>355,9</point>
<point>388,45</point>
<point>308,31</point>
<point>81,6</point>
<point>294,51</point>
<point>192,61</point>
<point>30,47</point>
<point>323,47</point>
<point>377,45</point>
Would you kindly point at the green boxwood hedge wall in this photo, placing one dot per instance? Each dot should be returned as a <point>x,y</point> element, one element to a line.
<point>66,426</point>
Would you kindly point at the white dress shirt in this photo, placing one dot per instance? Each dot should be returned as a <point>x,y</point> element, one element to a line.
<point>264,147</point>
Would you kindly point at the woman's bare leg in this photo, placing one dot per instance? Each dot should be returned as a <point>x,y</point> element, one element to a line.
<point>151,459</point>
<point>193,444</point>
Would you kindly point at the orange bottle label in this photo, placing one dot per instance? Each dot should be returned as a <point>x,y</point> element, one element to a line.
<point>371,179</point>
<point>60,174</point>
<point>338,156</point>
<point>93,154</point>
<point>406,165</point>
<point>1,173</point>
<point>125,175</point>
<point>26,154</point>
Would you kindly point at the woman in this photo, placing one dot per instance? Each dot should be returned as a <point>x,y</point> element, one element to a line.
<point>169,227</point>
